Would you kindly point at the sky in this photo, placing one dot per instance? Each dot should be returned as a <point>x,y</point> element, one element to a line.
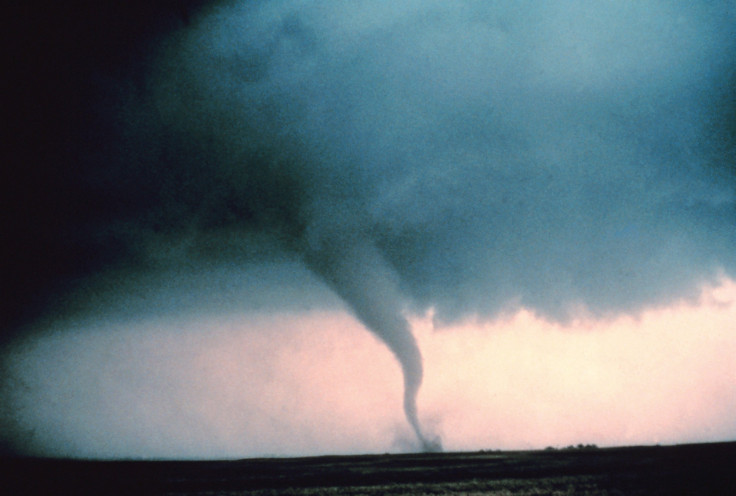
<point>292,228</point>
<point>314,381</point>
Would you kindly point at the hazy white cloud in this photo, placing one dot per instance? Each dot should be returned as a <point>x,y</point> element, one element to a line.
<point>316,382</point>
<point>665,377</point>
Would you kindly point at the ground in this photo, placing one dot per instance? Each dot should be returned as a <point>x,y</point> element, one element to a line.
<point>685,469</point>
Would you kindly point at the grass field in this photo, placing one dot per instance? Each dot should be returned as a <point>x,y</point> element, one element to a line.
<point>672,470</point>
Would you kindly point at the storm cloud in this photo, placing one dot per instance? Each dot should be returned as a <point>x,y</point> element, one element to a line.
<point>464,158</point>
<point>559,157</point>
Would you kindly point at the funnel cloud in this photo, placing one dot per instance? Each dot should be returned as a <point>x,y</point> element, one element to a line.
<point>461,159</point>
<point>359,275</point>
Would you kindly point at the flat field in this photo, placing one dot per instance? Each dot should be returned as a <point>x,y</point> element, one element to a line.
<point>667,470</point>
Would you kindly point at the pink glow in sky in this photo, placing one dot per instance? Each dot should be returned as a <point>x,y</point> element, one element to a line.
<point>318,382</point>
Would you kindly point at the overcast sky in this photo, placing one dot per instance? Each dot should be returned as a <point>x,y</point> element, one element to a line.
<point>266,227</point>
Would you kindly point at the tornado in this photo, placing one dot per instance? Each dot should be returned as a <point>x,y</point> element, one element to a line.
<point>361,277</point>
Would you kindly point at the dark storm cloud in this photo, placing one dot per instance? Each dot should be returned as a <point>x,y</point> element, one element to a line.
<point>556,156</point>
<point>69,68</point>
<point>551,155</point>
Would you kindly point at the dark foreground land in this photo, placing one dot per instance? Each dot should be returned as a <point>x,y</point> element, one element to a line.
<point>686,469</point>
